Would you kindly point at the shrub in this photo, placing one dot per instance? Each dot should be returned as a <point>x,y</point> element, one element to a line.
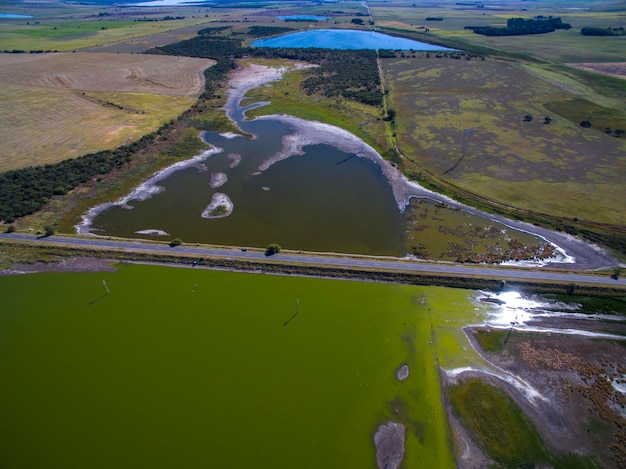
<point>272,249</point>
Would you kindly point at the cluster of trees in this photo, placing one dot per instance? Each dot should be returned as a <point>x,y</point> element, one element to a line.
<point>521,26</point>
<point>21,51</point>
<point>24,191</point>
<point>154,20</point>
<point>603,31</point>
<point>265,31</point>
<point>349,74</point>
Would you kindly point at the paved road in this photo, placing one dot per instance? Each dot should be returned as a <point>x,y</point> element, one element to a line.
<point>382,263</point>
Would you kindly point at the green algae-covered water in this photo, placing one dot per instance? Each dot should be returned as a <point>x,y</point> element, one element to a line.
<point>195,368</point>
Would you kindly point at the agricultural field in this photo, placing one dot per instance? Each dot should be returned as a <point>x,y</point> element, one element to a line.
<point>511,134</point>
<point>75,34</point>
<point>62,105</point>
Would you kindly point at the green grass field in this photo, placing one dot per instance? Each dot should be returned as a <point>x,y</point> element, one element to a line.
<point>561,46</point>
<point>68,35</point>
<point>506,434</point>
<point>463,120</point>
<point>197,368</point>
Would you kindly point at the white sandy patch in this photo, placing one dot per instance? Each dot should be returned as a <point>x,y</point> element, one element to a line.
<point>218,180</point>
<point>389,441</point>
<point>153,232</point>
<point>402,373</point>
<point>230,135</point>
<point>524,387</point>
<point>234,158</point>
<point>218,200</point>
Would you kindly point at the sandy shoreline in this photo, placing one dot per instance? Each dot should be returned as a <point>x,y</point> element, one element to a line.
<point>144,191</point>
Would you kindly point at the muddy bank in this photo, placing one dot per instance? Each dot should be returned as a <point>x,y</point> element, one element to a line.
<point>581,381</point>
<point>70,264</point>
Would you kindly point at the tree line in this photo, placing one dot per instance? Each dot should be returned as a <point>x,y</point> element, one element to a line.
<point>521,26</point>
<point>589,31</point>
<point>24,191</point>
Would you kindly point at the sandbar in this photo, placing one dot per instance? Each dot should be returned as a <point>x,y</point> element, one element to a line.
<point>153,232</point>
<point>402,373</point>
<point>389,441</point>
<point>218,200</point>
<point>218,180</point>
<point>234,158</point>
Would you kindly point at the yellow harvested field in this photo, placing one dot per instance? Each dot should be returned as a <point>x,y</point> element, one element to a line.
<point>63,105</point>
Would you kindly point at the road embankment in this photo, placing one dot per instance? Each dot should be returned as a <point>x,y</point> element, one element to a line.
<point>235,260</point>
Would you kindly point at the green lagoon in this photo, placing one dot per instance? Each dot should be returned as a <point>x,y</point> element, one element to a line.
<point>196,368</point>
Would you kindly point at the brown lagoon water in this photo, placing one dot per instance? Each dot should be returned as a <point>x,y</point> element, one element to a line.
<point>324,200</point>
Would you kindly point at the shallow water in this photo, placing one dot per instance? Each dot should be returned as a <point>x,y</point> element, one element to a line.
<point>324,200</point>
<point>13,16</point>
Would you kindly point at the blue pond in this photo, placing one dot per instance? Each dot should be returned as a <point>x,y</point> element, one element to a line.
<point>344,39</point>
<point>304,18</point>
<point>11,15</point>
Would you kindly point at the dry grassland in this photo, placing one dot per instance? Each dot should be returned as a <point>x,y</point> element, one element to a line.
<point>57,106</point>
<point>463,120</point>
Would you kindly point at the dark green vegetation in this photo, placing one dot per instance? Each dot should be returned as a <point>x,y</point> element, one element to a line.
<point>491,340</point>
<point>603,31</point>
<point>272,249</point>
<point>502,430</point>
<point>592,304</point>
<point>175,242</point>
<point>24,191</point>
<point>521,26</point>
